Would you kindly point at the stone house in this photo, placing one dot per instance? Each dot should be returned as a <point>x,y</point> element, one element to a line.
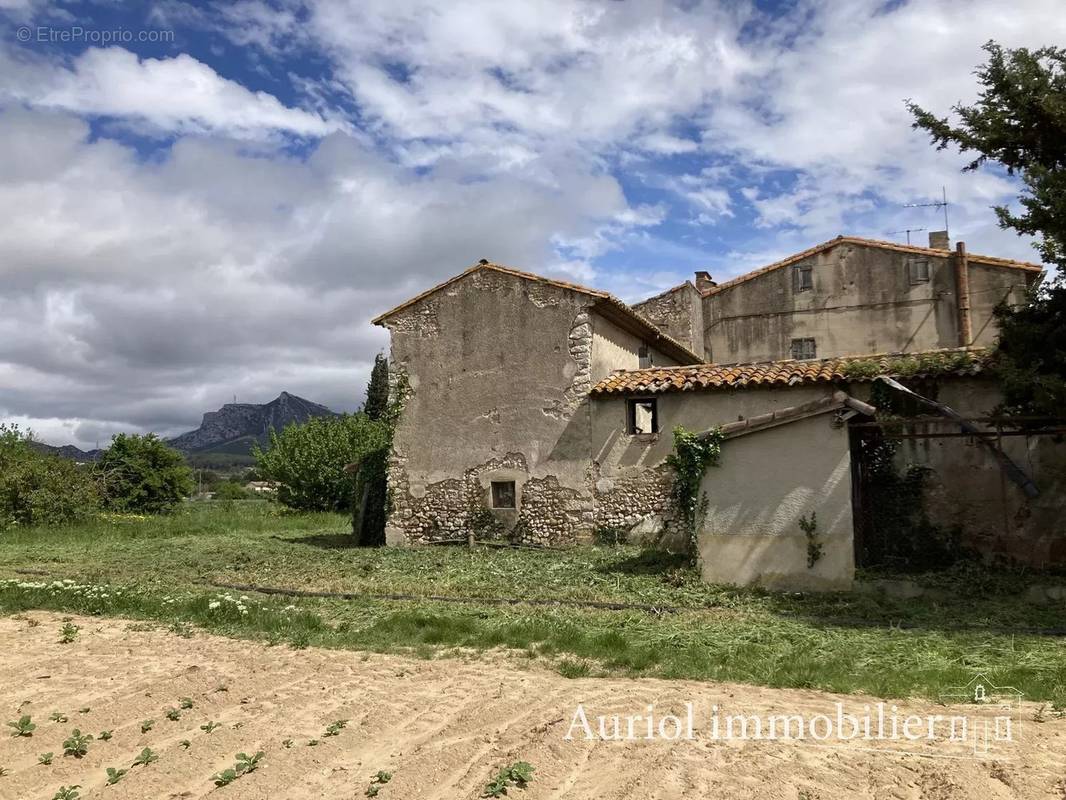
<point>541,410</point>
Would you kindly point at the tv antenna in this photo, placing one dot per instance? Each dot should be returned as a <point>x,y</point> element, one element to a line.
<point>941,204</point>
<point>907,231</point>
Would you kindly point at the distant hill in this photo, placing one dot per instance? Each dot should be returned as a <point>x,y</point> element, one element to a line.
<point>66,451</point>
<point>234,428</point>
<point>225,437</point>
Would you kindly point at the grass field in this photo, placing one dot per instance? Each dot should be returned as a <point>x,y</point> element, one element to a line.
<point>162,569</point>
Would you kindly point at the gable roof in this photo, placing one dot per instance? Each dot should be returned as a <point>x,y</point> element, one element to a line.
<point>660,380</point>
<point>881,245</point>
<point>605,303</point>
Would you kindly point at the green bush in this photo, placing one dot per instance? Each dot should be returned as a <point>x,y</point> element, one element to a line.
<point>141,474</point>
<point>309,460</point>
<point>230,490</point>
<point>39,488</point>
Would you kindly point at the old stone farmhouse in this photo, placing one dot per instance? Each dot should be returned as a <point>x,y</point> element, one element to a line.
<point>542,410</point>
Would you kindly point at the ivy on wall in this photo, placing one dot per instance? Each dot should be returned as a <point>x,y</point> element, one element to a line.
<point>693,454</point>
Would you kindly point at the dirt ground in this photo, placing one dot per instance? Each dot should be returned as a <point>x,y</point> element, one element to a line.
<point>442,728</point>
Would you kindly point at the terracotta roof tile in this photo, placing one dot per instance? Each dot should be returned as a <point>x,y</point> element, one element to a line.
<point>658,380</point>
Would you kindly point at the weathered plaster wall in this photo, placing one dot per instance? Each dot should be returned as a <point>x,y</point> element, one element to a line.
<point>990,286</point>
<point>633,483</point>
<point>862,302</point>
<point>770,480</point>
<point>614,348</point>
<point>677,313</point>
<point>499,370</point>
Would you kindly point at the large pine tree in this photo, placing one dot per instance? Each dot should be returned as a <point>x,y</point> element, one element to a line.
<point>377,391</point>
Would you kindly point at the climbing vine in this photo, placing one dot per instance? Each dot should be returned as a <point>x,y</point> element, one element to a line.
<point>693,454</point>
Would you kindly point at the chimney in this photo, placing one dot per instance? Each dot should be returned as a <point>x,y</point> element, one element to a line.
<point>703,281</point>
<point>938,240</point>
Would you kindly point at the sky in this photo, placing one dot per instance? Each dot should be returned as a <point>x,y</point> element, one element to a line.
<point>202,201</point>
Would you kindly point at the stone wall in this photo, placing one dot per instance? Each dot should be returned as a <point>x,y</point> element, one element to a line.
<point>678,313</point>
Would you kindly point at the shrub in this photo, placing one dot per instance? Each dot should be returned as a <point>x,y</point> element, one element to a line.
<point>309,460</point>
<point>39,488</point>
<point>230,490</point>
<point>141,474</point>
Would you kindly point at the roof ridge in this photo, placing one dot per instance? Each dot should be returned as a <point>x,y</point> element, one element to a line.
<point>599,294</point>
<point>842,239</point>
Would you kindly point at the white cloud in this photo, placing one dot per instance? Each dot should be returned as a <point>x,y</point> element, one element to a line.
<point>177,94</point>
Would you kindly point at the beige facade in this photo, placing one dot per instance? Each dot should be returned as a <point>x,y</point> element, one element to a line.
<point>856,297</point>
<point>498,366</point>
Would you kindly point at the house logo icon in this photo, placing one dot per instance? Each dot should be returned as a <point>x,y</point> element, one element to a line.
<point>983,691</point>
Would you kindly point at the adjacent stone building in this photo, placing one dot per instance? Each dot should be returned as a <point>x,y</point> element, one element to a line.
<point>541,411</point>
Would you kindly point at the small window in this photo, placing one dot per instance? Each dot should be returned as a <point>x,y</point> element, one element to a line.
<point>804,349</point>
<point>643,416</point>
<point>919,270</point>
<point>503,495</point>
<point>802,278</point>
<point>645,356</point>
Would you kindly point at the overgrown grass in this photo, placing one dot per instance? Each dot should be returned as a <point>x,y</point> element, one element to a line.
<point>155,570</point>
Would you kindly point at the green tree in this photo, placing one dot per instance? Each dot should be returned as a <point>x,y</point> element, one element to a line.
<point>141,474</point>
<point>310,460</point>
<point>377,391</point>
<point>1018,121</point>
<point>40,488</point>
<point>1030,358</point>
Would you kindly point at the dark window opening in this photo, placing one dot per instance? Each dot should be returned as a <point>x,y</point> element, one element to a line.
<point>802,278</point>
<point>804,349</point>
<point>644,356</point>
<point>503,494</point>
<point>919,270</point>
<point>642,416</point>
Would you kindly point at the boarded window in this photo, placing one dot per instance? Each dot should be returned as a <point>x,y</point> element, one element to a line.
<point>802,278</point>
<point>643,416</point>
<point>804,349</point>
<point>644,355</point>
<point>919,270</point>
<point>503,494</point>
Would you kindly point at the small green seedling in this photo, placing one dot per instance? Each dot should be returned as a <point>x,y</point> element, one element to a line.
<point>372,790</point>
<point>4,771</point>
<point>146,757</point>
<point>210,726</point>
<point>184,744</point>
<point>104,736</point>
<point>335,727</point>
<point>225,777</point>
<point>85,710</point>
<point>313,743</point>
<point>58,716</point>
<point>77,744</point>
<point>68,633</point>
<point>147,725</point>
<point>286,743</point>
<point>247,763</point>
<point>115,775</point>
<point>382,777</point>
<point>238,725</point>
<point>45,759</point>
<point>23,726</point>
<point>185,702</point>
<point>67,793</point>
<point>517,774</point>
<point>173,714</point>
